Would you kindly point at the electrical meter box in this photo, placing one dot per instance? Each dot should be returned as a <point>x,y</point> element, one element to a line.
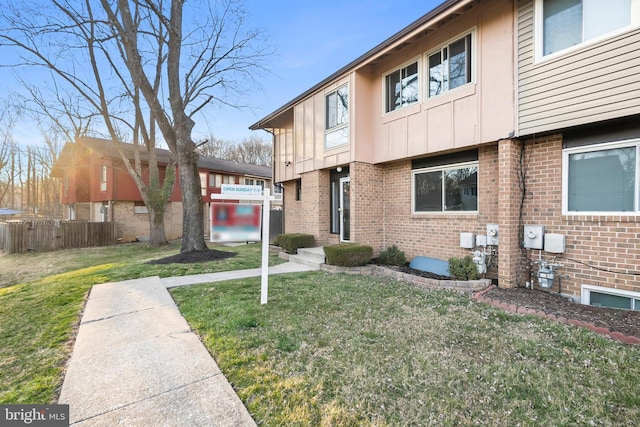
<point>533,237</point>
<point>492,234</point>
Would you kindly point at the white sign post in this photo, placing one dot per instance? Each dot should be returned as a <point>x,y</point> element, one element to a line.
<point>254,193</point>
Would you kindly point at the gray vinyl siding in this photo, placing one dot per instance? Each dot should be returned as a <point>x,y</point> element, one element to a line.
<point>600,81</point>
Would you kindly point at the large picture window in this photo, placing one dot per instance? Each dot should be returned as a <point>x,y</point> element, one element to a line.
<point>450,66</point>
<point>337,117</point>
<point>601,178</point>
<point>567,23</point>
<point>446,189</point>
<point>401,87</point>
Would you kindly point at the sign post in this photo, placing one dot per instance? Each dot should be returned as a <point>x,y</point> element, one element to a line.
<point>250,193</point>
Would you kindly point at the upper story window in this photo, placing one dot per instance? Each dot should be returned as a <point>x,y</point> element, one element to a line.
<point>66,186</point>
<point>337,117</point>
<point>216,180</point>
<point>401,87</point>
<point>203,183</point>
<point>446,188</point>
<point>450,66</point>
<point>567,23</point>
<point>103,178</point>
<point>601,178</point>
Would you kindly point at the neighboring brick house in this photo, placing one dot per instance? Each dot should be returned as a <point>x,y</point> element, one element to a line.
<point>97,187</point>
<point>481,113</point>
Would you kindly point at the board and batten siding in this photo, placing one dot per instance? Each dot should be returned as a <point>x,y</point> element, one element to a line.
<point>596,82</point>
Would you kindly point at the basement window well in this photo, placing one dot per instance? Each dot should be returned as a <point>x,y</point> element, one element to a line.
<point>606,297</point>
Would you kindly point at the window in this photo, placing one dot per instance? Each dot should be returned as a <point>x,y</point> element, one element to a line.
<point>606,297</point>
<point>446,189</point>
<point>601,178</point>
<point>203,184</point>
<point>401,87</point>
<point>251,181</point>
<point>140,208</point>
<point>103,178</point>
<point>66,186</point>
<point>567,23</point>
<point>219,179</point>
<point>450,67</point>
<point>337,118</point>
<point>298,189</point>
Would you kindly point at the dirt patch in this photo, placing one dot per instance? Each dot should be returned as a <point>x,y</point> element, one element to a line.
<point>193,257</point>
<point>615,320</point>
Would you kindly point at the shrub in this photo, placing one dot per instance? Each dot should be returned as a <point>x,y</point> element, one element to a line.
<point>463,268</point>
<point>292,241</point>
<point>392,256</point>
<point>348,254</point>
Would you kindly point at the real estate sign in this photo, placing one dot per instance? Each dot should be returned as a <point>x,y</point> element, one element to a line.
<point>235,222</point>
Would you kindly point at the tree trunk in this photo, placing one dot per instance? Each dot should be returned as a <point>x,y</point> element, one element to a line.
<point>157,236</point>
<point>192,207</point>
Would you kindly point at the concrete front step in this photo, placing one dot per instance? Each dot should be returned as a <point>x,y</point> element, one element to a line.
<point>311,257</point>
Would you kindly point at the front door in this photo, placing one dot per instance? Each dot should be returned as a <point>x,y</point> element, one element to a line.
<point>345,209</point>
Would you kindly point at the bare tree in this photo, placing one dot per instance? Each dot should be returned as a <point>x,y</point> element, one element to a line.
<point>217,147</point>
<point>252,150</point>
<point>143,47</point>
<point>8,154</point>
<point>255,151</point>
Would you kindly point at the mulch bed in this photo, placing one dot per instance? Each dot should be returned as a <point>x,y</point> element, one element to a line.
<point>626,322</point>
<point>193,257</point>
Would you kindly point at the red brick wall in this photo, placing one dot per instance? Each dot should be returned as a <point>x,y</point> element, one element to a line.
<point>604,242</point>
<point>367,207</point>
<point>292,208</point>
<point>436,235</point>
<point>381,217</point>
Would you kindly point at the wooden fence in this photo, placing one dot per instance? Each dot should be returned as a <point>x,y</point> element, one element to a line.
<point>48,235</point>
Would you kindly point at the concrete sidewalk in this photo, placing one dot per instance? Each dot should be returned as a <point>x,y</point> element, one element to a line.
<point>137,363</point>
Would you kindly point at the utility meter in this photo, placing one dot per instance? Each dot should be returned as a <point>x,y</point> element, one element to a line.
<point>533,236</point>
<point>545,277</point>
<point>492,234</point>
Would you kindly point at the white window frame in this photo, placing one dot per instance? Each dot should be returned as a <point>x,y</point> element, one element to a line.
<point>442,168</point>
<point>599,147</point>
<point>585,294</point>
<point>472,78</point>
<point>344,127</point>
<point>103,178</point>
<point>539,29</point>
<point>385,92</point>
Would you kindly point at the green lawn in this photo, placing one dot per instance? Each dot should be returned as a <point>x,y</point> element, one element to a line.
<point>331,350</point>
<point>41,300</point>
<point>341,350</point>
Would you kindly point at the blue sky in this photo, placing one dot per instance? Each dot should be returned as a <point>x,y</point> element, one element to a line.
<point>311,40</point>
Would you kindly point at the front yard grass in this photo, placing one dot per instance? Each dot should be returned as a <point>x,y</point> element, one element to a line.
<point>340,350</point>
<point>41,300</point>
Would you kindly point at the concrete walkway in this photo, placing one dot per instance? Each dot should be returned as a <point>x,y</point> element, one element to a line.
<point>137,363</point>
